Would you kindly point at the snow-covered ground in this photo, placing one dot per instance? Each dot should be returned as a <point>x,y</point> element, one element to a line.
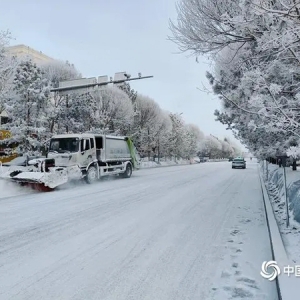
<point>10,189</point>
<point>188,232</point>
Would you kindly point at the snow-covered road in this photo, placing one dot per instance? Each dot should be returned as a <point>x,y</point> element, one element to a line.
<point>186,232</point>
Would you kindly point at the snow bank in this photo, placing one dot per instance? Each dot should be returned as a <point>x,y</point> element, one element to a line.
<point>276,186</point>
<point>287,285</point>
<point>276,193</point>
<point>153,164</point>
<point>217,160</point>
<point>294,198</point>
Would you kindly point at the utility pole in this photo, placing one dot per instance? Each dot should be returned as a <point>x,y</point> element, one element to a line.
<point>285,192</point>
<point>67,113</point>
<point>149,151</point>
<point>158,153</point>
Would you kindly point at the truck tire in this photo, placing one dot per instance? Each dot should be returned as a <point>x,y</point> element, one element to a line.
<point>91,175</point>
<point>128,171</point>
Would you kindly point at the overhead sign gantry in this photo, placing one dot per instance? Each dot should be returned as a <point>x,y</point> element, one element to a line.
<point>88,84</point>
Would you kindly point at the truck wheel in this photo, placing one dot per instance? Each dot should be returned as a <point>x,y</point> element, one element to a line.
<point>128,171</point>
<point>91,175</point>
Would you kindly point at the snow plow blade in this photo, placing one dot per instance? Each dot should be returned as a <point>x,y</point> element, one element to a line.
<point>38,180</point>
<point>41,181</point>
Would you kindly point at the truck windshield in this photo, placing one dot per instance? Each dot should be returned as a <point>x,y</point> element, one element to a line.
<point>64,145</point>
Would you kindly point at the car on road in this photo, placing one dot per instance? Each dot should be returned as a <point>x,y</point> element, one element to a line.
<point>239,162</point>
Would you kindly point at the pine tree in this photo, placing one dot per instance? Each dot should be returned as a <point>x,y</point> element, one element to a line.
<point>28,106</point>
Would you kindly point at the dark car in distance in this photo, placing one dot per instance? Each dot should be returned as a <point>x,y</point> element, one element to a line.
<point>239,162</point>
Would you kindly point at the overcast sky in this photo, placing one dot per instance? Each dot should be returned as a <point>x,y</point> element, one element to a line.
<point>102,37</point>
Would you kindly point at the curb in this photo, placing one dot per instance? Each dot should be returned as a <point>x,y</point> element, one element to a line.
<point>286,286</point>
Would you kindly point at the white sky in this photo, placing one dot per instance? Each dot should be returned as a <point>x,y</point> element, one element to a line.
<point>102,37</point>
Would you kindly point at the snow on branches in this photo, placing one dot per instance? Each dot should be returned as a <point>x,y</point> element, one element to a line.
<point>35,113</point>
<point>27,107</point>
<point>256,54</point>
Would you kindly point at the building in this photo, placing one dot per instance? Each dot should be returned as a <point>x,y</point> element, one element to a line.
<point>24,52</point>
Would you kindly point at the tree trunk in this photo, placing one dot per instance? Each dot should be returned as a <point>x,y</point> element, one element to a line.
<point>294,165</point>
<point>279,163</point>
<point>52,126</point>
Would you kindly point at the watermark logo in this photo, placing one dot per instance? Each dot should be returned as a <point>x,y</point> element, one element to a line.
<point>270,270</point>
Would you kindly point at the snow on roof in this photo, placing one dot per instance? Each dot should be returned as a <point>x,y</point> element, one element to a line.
<point>87,135</point>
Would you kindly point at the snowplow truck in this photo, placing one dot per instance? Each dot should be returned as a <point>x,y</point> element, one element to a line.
<point>75,157</point>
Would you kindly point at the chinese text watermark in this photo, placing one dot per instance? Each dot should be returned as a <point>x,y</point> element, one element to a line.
<point>270,270</point>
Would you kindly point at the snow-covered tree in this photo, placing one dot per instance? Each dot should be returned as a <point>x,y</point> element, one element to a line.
<point>113,111</point>
<point>177,136</point>
<point>148,119</point>
<point>208,26</point>
<point>28,106</point>
<point>56,72</point>
<point>161,137</point>
<point>193,137</point>
<point>214,147</point>
<point>132,94</point>
<point>7,68</point>
<point>231,148</point>
<point>255,49</point>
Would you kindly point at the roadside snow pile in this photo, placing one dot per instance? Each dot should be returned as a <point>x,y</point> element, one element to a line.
<point>276,194</point>
<point>294,197</point>
<point>276,191</point>
<point>154,164</point>
<point>148,164</point>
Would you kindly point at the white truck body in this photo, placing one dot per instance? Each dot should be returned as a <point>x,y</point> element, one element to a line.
<point>82,153</point>
<point>115,148</point>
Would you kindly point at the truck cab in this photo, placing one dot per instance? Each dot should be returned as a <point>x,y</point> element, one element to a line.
<point>72,149</point>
